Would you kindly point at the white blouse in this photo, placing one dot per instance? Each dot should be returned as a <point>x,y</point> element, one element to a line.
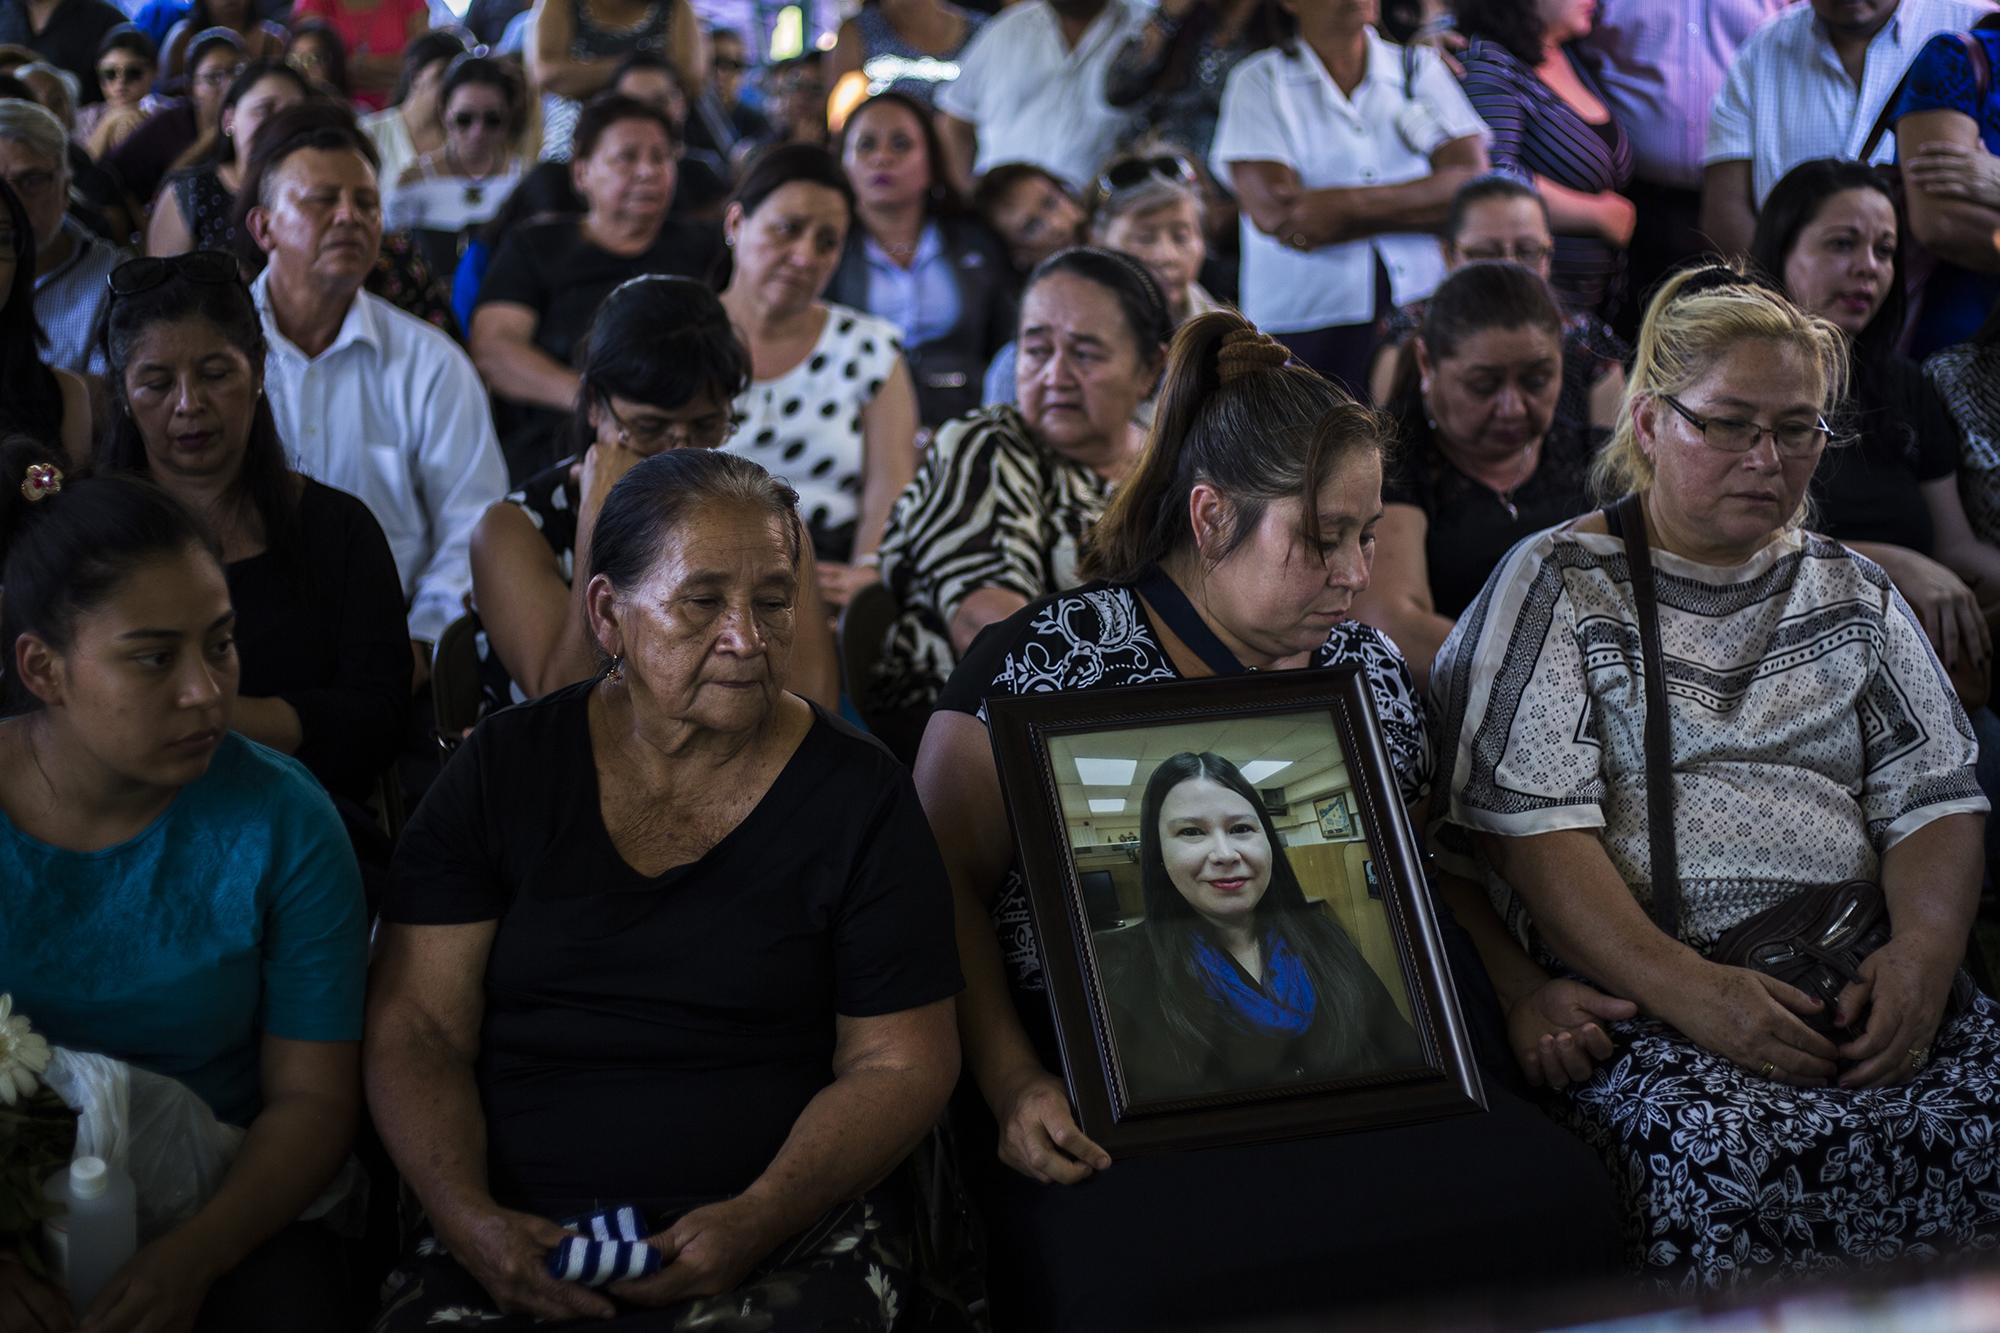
<point>1287,109</point>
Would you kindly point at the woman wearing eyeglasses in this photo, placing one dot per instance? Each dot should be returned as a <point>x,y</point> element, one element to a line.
<point>196,207</point>
<point>1484,456</point>
<point>1811,739</point>
<point>548,277</point>
<point>661,371</point>
<point>261,40</point>
<point>465,181</point>
<point>915,257</point>
<point>1499,218</point>
<point>126,67</point>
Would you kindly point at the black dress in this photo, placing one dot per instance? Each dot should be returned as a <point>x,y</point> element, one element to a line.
<point>1899,437</point>
<point>551,268</point>
<point>1470,526</point>
<point>1305,1228</point>
<point>329,636</point>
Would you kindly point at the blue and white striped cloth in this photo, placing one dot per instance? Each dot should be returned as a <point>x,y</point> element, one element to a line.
<point>609,1246</point>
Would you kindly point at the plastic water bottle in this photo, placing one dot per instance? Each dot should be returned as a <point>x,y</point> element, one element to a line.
<point>97,1231</point>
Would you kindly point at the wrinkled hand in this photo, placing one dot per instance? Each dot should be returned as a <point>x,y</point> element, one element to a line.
<point>1312,219</point>
<point>708,1252</point>
<point>1946,608</point>
<point>839,583</point>
<point>508,1254</point>
<point>159,1290</point>
<point>1903,988</point>
<point>1955,171</point>
<point>1752,1020</point>
<point>1555,1030</point>
<point>600,469</point>
<point>1039,1135</point>
<point>30,1305</point>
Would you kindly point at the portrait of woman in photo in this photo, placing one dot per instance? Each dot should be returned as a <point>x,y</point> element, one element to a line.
<point>1236,979</point>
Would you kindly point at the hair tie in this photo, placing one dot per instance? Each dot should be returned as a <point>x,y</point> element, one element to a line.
<point>42,481</point>
<point>1246,352</point>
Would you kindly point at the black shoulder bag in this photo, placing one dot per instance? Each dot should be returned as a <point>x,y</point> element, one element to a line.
<point>1814,940</point>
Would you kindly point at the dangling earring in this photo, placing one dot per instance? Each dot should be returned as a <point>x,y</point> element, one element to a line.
<point>615,673</point>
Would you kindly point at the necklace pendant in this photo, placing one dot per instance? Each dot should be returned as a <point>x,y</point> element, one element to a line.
<point>1512,511</point>
<point>475,195</point>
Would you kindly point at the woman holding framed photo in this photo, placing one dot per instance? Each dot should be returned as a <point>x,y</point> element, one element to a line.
<point>1238,542</point>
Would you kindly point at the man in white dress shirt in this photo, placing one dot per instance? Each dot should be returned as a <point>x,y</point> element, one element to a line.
<point>368,399</point>
<point>1809,84</point>
<point>1030,88</point>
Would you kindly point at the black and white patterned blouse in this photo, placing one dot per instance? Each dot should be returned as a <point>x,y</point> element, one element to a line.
<point>989,508</point>
<point>805,425</point>
<point>550,499</point>
<point>1098,637</point>
<point>1967,377</point>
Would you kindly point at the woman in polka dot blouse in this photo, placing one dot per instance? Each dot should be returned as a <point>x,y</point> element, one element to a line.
<point>831,407</point>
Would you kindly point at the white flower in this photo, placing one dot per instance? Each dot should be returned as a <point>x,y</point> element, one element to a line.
<point>23,1055</point>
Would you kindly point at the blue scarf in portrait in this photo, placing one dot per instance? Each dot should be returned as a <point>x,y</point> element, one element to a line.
<point>1286,1005</point>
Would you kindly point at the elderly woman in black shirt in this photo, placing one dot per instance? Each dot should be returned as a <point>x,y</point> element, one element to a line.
<point>674,937</point>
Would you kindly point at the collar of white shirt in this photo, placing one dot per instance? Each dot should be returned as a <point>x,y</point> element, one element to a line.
<point>1385,70</point>
<point>359,327</point>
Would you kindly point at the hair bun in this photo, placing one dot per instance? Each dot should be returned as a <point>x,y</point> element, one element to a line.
<point>1247,351</point>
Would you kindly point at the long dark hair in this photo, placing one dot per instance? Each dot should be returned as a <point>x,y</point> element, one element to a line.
<point>1257,436</point>
<point>1509,23</point>
<point>216,148</point>
<point>662,341</point>
<point>333,69</point>
<point>34,396</point>
<point>1489,294</point>
<point>1792,205</point>
<point>425,49</point>
<point>1332,962</point>
<point>266,482</point>
<point>63,555</point>
<point>941,200</point>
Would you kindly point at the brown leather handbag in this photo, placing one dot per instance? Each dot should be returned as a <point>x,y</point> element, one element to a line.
<point>1815,939</point>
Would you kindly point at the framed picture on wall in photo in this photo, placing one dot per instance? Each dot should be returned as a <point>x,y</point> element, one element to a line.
<point>1235,981</point>
<point>1336,823</point>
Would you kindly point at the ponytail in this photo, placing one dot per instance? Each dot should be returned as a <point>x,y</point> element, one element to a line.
<point>1236,413</point>
<point>67,541</point>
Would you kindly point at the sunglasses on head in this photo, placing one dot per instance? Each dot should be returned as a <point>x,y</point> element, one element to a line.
<point>1136,171</point>
<point>120,73</point>
<point>142,275</point>
<point>465,120</point>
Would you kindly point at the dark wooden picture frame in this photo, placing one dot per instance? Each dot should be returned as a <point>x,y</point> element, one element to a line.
<point>1027,730</point>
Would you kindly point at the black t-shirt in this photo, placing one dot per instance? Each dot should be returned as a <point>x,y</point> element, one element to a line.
<point>655,1039</point>
<point>1469,526</point>
<point>69,40</point>
<point>552,269</point>
<point>1867,490</point>
<point>330,639</point>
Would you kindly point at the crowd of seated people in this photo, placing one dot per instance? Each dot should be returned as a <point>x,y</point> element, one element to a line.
<point>710,433</point>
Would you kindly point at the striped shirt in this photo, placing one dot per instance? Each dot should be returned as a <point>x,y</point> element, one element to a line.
<point>1789,100</point>
<point>991,507</point>
<point>1537,133</point>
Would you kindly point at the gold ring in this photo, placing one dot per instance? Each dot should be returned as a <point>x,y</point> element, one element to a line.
<point>1767,1070</point>
<point>1299,240</point>
<point>1919,1057</point>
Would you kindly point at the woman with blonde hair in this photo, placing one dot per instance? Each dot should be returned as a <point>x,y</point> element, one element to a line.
<point>1811,738</point>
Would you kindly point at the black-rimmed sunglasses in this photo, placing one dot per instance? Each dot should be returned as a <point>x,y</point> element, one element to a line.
<point>1136,171</point>
<point>142,275</point>
<point>465,120</point>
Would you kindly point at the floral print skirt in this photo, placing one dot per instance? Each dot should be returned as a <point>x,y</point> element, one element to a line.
<point>1729,1179</point>
<point>850,1270</point>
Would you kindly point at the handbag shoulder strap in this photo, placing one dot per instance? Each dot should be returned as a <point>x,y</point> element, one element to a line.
<point>1627,520</point>
<point>1982,82</point>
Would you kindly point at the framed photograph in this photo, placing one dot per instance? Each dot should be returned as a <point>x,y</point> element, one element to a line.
<point>1335,823</point>
<point>1247,975</point>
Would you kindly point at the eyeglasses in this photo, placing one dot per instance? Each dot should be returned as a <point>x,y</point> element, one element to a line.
<point>1136,171</point>
<point>656,434</point>
<point>217,78</point>
<point>122,73</point>
<point>491,120</point>
<point>212,267</point>
<point>1732,435</point>
<point>1527,253</point>
<point>729,65</point>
